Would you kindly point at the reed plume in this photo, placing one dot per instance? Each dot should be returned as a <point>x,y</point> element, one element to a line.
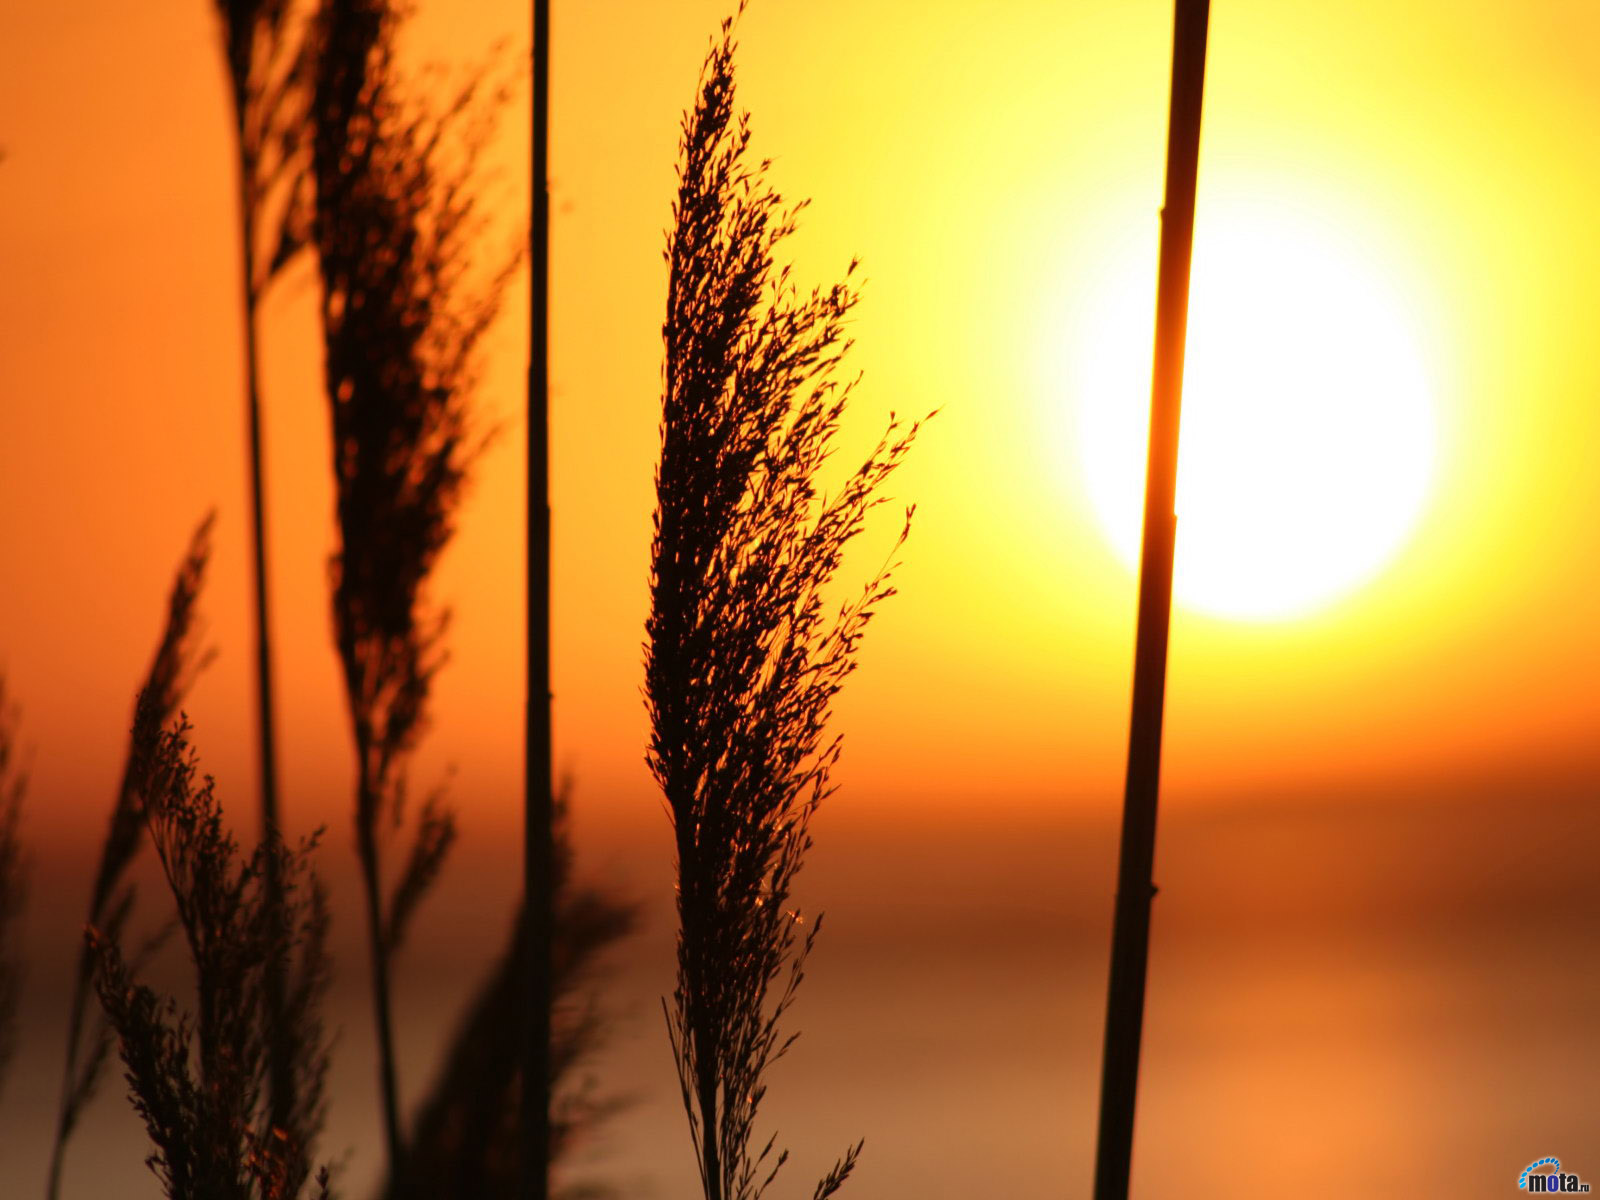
<point>266,54</point>
<point>403,315</point>
<point>13,878</point>
<point>198,1077</point>
<point>743,659</point>
<point>178,659</point>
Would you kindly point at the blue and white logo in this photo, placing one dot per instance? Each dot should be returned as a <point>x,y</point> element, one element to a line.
<point>1535,1179</point>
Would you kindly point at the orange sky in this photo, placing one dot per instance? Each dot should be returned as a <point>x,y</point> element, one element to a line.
<point>972,156</point>
<point>977,158</point>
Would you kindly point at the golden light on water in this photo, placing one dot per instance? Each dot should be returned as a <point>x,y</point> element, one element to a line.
<point>1308,440</point>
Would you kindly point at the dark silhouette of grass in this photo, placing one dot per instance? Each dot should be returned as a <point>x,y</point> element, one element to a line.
<point>178,659</point>
<point>743,658</point>
<point>265,53</point>
<point>465,1140</point>
<point>1130,927</point>
<point>403,315</point>
<point>13,878</point>
<point>198,1078</point>
<point>539,850</point>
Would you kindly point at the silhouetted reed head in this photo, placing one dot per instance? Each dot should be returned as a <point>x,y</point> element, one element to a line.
<point>265,45</point>
<point>745,653</point>
<point>178,658</point>
<point>403,315</point>
<point>197,1076</point>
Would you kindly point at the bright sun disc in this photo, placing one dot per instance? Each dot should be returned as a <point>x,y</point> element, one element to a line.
<point>1307,442</point>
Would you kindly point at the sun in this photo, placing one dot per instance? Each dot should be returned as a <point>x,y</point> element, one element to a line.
<point>1308,438</point>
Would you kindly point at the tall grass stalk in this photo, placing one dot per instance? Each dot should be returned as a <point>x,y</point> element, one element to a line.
<point>198,1077</point>
<point>403,315</point>
<point>744,654</point>
<point>264,51</point>
<point>1130,928</point>
<point>13,881</point>
<point>538,847</point>
<point>177,660</point>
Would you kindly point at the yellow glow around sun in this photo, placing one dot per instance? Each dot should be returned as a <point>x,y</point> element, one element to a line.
<point>1308,434</point>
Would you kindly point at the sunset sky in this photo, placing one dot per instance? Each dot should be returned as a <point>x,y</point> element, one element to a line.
<point>997,167</point>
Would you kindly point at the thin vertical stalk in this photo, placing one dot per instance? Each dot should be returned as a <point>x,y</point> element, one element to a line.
<point>539,814</point>
<point>378,942</point>
<point>262,50</point>
<point>1130,938</point>
<point>280,1085</point>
